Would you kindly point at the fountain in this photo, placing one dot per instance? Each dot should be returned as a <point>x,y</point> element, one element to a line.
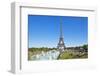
<point>50,55</point>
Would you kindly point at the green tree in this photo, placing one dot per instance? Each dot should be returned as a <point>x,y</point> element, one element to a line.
<point>85,47</point>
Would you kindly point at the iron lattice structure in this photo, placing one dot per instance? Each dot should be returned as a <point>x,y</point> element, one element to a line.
<point>61,44</point>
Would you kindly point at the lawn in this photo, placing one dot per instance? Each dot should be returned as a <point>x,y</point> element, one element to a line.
<point>72,55</point>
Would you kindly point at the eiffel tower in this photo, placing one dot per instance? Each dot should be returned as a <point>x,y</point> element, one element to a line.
<point>61,44</point>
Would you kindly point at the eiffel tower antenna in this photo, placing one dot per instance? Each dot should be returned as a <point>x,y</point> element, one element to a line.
<point>61,35</point>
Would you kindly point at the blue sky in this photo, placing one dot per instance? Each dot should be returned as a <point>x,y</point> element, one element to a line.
<point>44,31</point>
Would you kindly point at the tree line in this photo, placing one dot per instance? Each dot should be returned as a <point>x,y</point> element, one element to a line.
<point>41,49</point>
